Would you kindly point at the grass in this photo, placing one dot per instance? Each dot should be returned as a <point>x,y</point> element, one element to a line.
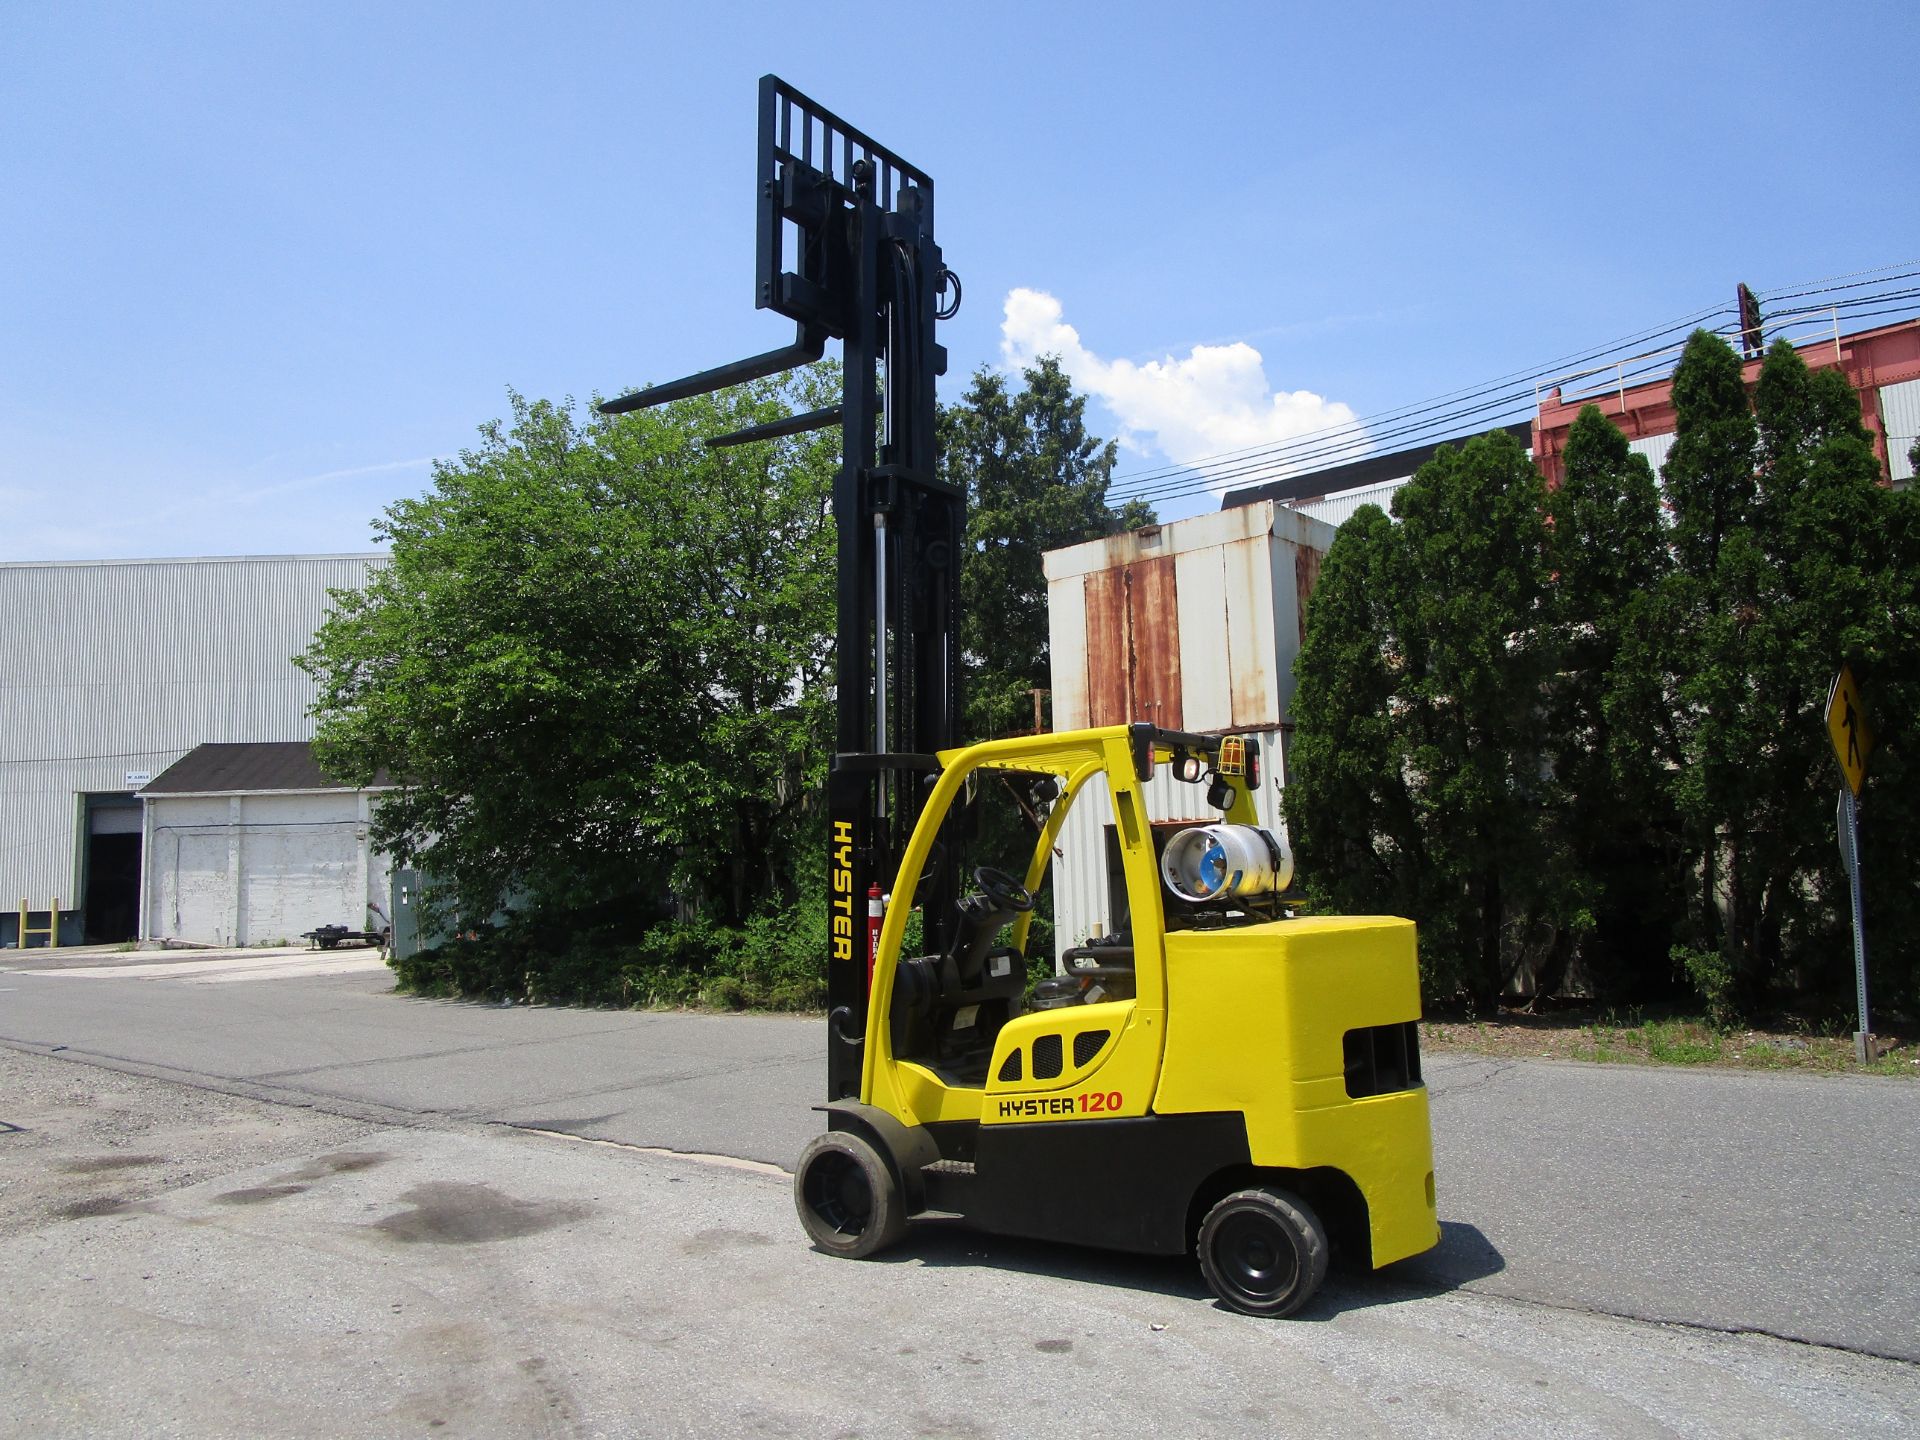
<point>1610,1038</point>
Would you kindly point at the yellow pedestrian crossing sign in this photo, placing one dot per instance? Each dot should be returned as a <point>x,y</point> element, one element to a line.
<point>1847,727</point>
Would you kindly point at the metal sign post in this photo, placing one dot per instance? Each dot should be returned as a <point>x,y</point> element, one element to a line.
<point>1847,821</point>
<point>1852,743</point>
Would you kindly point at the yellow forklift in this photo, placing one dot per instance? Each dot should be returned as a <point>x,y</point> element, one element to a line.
<point>1207,1073</point>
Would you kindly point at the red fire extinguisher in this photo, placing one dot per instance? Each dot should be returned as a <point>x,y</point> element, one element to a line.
<point>875,913</point>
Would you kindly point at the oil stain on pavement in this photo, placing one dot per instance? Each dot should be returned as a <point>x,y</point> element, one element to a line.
<point>100,1164</point>
<point>448,1213</point>
<point>253,1195</point>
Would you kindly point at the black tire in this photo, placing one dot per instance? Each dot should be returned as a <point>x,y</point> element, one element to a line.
<point>846,1196</point>
<point>1264,1252</point>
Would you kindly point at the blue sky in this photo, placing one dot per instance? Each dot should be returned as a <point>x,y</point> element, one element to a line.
<point>264,261</point>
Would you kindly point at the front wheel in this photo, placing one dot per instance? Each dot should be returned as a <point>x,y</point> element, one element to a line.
<point>1264,1252</point>
<point>846,1196</point>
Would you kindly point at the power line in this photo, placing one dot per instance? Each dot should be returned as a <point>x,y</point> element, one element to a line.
<point>1419,407</point>
<point>1827,287</point>
<point>1501,399</point>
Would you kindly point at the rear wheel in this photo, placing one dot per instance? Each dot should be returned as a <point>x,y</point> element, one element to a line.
<point>1264,1252</point>
<point>846,1196</point>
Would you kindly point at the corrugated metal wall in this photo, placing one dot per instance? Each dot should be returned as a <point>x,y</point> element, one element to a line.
<point>1655,448</point>
<point>1191,625</point>
<point>1336,510</point>
<point>1221,661</point>
<point>1900,413</point>
<point>115,666</point>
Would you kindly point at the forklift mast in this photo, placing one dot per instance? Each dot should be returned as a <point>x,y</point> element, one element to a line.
<point>845,250</point>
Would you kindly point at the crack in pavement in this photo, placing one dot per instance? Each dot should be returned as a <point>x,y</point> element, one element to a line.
<point>650,1082</point>
<point>495,1045</point>
<point>699,1157</point>
<point>1493,1071</point>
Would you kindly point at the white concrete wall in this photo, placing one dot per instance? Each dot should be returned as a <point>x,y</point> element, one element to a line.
<point>250,869</point>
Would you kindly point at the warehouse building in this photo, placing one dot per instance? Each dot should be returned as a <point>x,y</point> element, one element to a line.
<point>113,671</point>
<point>250,843</point>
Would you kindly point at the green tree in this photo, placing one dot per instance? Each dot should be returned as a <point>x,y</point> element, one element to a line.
<point>1500,897</point>
<point>1350,817</point>
<point>1794,562</point>
<point>597,661</point>
<point>1608,731</point>
<point>1035,480</point>
<point>1417,781</point>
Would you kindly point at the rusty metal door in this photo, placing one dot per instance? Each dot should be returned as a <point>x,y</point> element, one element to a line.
<point>1133,645</point>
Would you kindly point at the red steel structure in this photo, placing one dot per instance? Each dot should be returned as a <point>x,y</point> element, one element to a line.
<point>1870,359</point>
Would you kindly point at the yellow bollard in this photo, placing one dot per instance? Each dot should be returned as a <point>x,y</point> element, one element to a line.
<point>51,929</point>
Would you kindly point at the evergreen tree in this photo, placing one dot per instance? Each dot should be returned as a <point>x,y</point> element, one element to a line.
<point>1350,817</point>
<point>1706,650</point>
<point>1498,894</point>
<point>1790,561</point>
<point>1608,734</point>
<point>1889,674</point>
<point>1832,531</point>
<point>1417,782</point>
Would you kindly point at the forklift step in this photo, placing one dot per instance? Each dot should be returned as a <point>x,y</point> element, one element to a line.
<point>949,1186</point>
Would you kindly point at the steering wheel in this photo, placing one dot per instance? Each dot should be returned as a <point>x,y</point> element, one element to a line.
<point>1003,890</point>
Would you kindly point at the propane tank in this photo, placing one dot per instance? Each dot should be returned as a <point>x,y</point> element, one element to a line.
<point>1225,862</point>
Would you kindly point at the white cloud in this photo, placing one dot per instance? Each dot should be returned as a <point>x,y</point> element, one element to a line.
<point>1215,400</point>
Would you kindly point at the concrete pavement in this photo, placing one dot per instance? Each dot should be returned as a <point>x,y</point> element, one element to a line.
<point>1729,1200</point>
<point>447,1277</point>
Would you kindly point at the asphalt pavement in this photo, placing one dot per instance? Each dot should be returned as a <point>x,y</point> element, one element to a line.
<point>186,1262</point>
<point>1730,1201</point>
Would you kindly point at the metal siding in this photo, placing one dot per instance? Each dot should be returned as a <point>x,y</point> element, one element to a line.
<point>1080,869</point>
<point>1106,601</point>
<point>1236,582</point>
<point>1655,448</point>
<point>1067,651</point>
<point>1250,638</point>
<point>1153,628</point>
<point>1900,414</point>
<point>1306,575</point>
<point>1296,569</point>
<point>112,666</point>
<point>1205,698</point>
<point>1336,510</point>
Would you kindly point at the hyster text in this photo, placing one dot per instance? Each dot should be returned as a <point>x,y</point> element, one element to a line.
<point>1092,1103</point>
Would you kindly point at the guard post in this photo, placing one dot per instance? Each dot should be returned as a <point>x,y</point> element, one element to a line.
<point>51,929</point>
